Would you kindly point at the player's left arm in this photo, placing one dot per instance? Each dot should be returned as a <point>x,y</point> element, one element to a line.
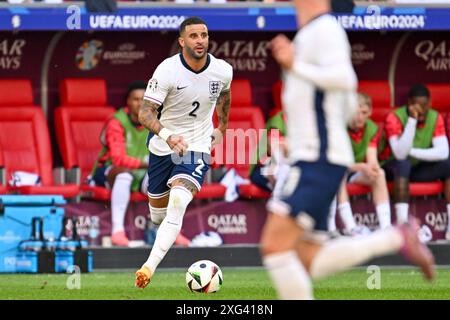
<point>223,105</point>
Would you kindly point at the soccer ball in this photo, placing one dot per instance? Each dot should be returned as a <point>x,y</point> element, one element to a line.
<point>204,276</point>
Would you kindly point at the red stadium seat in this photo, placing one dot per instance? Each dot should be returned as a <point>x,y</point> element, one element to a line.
<point>276,97</point>
<point>77,126</point>
<point>238,153</point>
<point>211,191</point>
<point>76,92</point>
<point>243,115</point>
<point>356,189</point>
<point>379,115</point>
<point>246,123</point>
<point>30,150</point>
<point>379,91</point>
<point>440,96</point>
<point>241,93</point>
<point>418,189</point>
<point>79,121</point>
<point>251,191</point>
<point>23,93</point>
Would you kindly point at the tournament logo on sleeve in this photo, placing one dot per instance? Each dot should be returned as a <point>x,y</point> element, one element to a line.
<point>152,85</point>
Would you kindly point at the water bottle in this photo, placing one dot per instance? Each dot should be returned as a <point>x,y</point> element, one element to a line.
<point>150,233</point>
<point>94,230</point>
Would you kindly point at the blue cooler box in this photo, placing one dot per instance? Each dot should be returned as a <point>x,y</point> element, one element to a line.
<point>16,213</point>
<point>35,262</point>
<point>81,258</point>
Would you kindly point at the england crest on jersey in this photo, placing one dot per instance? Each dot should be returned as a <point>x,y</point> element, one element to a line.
<point>214,87</point>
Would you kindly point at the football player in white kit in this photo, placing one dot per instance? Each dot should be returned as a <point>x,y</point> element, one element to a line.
<point>178,108</point>
<point>319,97</point>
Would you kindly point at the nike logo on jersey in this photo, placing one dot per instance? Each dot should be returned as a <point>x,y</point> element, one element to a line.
<point>181,88</point>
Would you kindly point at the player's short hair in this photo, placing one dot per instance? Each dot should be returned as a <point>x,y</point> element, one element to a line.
<point>189,21</point>
<point>342,6</point>
<point>364,99</point>
<point>136,85</point>
<point>419,90</point>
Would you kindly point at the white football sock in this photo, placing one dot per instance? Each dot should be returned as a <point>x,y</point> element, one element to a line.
<point>345,212</point>
<point>120,197</point>
<point>157,214</point>
<point>448,216</point>
<point>384,214</point>
<point>341,254</point>
<point>289,276</point>
<point>169,229</point>
<point>332,216</point>
<point>401,209</point>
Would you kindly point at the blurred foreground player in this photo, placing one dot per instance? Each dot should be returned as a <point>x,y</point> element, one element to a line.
<point>320,98</point>
<point>178,107</point>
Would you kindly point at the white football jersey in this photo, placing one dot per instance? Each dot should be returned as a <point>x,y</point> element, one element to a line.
<point>319,94</point>
<point>188,99</point>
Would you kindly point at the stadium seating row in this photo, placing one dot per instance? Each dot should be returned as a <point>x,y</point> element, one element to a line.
<point>25,140</point>
<point>381,94</point>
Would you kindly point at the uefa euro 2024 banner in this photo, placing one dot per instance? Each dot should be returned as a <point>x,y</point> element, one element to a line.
<point>404,58</point>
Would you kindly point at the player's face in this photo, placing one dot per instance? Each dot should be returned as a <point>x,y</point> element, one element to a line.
<point>423,105</point>
<point>195,40</point>
<point>360,119</point>
<point>135,101</point>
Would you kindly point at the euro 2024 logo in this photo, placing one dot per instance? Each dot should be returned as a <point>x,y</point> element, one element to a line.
<point>89,54</point>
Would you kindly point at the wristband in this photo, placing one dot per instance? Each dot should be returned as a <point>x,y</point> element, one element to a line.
<point>165,133</point>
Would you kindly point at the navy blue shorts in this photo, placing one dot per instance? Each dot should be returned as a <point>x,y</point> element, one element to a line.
<point>261,181</point>
<point>100,176</point>
<point>308,192</point>
<point>163,170</point>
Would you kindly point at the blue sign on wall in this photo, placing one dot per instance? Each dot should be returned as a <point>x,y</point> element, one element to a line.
<point>218,19</point>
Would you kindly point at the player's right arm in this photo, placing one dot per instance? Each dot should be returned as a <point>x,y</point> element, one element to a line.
<point>148,117</point>
<point>157,90</point>
<point>400,139</point>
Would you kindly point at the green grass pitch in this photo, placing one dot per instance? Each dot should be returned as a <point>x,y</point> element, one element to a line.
<point>239,284</point>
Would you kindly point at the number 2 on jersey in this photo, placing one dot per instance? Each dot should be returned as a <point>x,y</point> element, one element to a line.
<point>196,105</point>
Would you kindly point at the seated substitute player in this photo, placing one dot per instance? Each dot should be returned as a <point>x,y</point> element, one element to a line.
<point>269,158</point>
<point>364,136</point>
<point>178,107</point>
<point>123,160</point>
<point>417,148</point>
<point>319,98</point>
